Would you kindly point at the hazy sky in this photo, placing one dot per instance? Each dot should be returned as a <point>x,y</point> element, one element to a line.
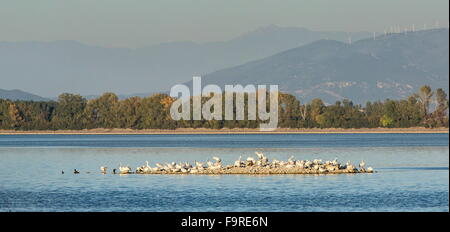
<point>136,23</point>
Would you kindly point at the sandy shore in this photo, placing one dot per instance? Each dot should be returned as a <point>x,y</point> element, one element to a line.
<point>235,131</point>
<point>260,171</point>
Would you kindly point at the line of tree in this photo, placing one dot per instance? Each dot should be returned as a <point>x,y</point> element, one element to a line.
<point>72,111</point>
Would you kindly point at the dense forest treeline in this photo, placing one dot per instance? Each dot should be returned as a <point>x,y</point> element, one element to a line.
<point>426,108</point>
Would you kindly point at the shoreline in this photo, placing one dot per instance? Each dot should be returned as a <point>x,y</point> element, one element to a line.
<point>188,131</point>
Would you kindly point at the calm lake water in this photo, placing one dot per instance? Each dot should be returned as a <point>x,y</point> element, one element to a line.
<point>413,173</point>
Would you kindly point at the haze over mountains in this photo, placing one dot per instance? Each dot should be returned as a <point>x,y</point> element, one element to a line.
<point>50,68</point>
<point>17,94</point>
<point>306,63</point>
<point>392,66</point>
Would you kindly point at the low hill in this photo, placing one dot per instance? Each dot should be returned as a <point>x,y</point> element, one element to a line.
<point>16,94</point>
<point>389,66</point>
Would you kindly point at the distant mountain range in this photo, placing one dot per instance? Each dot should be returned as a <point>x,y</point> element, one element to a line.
<point>16,94</point>
<point>49,68</point>
<point>302,62</point>
<point>392,66</point>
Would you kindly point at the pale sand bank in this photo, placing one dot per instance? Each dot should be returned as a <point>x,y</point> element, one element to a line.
<point>260,171</point>
<point>417,130</point>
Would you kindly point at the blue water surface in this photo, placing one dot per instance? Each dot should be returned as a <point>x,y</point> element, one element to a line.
<point>412,173</point>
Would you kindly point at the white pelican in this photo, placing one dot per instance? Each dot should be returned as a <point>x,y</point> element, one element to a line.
<point>124,169</point>
<point>259,154</point>
<point>264,161</point>
<point>351,168</point>
<point>209,163</point>
<point>250,161</point>
<point>187,165</point>
<point>103,169</point>
<point>160,166</point>
<point>369,169</point>
<point>238,162</point>
<point>290,166</point>
<point>331,168</point>
<point>317,161</point>
<point>275,163</point>
<point>335,162</point>
<point>347,164</point>
<point>291,160</point>
<point>259,163</point>
<point>199,164</point>
<point>308,164</point>
<point>217,159</point>
<point>171,165</point>
<point>146,168</point>
<point>362,164</point>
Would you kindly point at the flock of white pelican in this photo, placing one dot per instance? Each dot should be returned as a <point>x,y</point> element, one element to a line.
<point>261,165</point>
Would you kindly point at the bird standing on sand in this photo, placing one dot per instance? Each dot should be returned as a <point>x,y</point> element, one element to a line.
<point>147,168</point>
<point>249,165</point>
<point>199,165</point>
<point>238,162</point>
<point>217,159</point>
<point>250,161</point>
<point>291,160</point>
<point>335,162</point>
<point>209,163</point>
<point>160,166</point>
<point>259,154</point>
<point>124,169</point>
<point>362,164</point>
<point>308,164</point>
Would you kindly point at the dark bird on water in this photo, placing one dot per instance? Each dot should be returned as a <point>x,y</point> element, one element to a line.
<point>114,171</point>
<point>75,171</point>
<point>62,172</point>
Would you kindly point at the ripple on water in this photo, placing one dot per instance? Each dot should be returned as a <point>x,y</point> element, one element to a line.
<point>409,178</point>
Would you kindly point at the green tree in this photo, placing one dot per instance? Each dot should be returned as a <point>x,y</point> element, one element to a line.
<point>386,121</point>
<point>289,111</point>
<point>156,113</point>
<point>130,114</point>
<point>424,95</point>
<point>69,111</point>
<point>102,112</point>
<point>317,108</point>
<point>440,114</point>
